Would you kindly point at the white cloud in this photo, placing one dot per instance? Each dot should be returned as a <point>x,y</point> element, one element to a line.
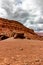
<point>0,1</point>
<point>3,13</point>
<point>29,12</point>
<point>28,4</point>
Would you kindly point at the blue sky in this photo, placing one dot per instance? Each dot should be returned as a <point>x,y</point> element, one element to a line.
<point>28,12</point>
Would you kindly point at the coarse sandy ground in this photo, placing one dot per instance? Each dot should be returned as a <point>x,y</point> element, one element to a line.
<point>21,52</point>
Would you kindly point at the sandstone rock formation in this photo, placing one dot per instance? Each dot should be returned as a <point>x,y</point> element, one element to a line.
<point>19,35</point>
<point>2,37</point>
<point>8,26</point>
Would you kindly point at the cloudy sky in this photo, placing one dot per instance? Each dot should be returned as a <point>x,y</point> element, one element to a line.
<point>28,12</point>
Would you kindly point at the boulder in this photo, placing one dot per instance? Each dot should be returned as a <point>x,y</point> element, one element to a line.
<point>19,35</point>
<point>3,37</point>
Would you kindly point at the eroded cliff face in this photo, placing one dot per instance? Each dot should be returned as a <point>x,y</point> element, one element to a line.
<point>8,27</point>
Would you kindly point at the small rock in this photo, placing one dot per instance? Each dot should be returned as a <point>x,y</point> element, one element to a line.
<point>21,49</point>
<point>37,60</point>
<point>8,64</point>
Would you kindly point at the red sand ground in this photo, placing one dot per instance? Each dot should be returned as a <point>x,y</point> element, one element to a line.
<point>21,52</point>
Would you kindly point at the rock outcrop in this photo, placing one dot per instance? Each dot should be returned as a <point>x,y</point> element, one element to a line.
<point>3,37</point>
<point>7,27</point>
<point>19,35</point>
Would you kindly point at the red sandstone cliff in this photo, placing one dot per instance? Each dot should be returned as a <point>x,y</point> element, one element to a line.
<point>7,27</point>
